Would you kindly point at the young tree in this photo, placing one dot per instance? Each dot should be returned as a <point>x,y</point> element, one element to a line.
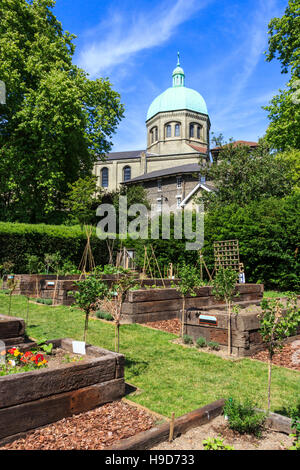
<point>82,199</point>
<point>56,122</point>
<point>277,322</point>
<point>12,284</point>
<point>224,286</point>
<point>189,280</point>
<point>119,290</point>
<point>90,291</point>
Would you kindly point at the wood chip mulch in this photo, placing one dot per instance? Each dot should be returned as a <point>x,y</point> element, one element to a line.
<point>170,326</point>
<point>288,357</point>
<point>93,430</point>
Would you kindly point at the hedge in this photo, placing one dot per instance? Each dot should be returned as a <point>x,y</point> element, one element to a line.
<point>268,233</point>
<point>17,240</point>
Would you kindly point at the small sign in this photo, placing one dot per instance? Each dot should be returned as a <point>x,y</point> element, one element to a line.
<point>10,277</point>
<point>50,283</point>
<point>208,320</point>
<point>78,347</point>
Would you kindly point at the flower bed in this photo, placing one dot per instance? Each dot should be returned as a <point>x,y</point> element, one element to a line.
<point>57,388</point>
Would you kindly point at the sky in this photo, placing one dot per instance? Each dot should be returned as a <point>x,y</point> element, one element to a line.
<point>221,45</point>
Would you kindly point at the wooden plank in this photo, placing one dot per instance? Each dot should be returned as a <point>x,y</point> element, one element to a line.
<point>49,381</point>
<point>11,327</point>
<point>31,415</point>
<point>148,439</point>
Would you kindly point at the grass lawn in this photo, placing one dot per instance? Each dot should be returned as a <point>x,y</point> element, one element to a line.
<point>171,377</point>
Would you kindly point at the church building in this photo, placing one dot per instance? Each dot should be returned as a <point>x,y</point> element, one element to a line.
<point>169,168</point>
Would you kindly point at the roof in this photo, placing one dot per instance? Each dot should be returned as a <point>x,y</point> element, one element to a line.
<point>199,149</point>
<point>235,144</point>
<point>124,155</point>
<point>177,170</point>
<point>177,98</point>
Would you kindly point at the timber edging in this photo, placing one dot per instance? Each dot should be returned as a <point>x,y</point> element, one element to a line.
<point>147,439</point>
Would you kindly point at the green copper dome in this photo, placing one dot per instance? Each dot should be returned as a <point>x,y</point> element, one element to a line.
<point>177,97</point>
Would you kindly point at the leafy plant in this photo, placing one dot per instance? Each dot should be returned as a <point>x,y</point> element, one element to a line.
<point>223,288</point>
<point>189,279</point>
<point>213,345</point>
<point>215,443</point>
<point>46,347</point>
<point>296,428</point>
<point>104,315</point>
<point>89,292</point>
<point>243,418</point>
<point>201,342</point>
<point>276,324</point>
<point>187,339</point>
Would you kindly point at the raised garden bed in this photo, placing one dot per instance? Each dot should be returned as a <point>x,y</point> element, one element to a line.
<point>151,305</point>
<point>12,330</point>
<point>32,399</point>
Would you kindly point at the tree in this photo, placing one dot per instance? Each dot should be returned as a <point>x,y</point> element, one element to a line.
<point>276,324</point>
<point>82,199</point>
<point>243,175</point>
<point>292,159</point>
<point>223,288</point>
<point>284,39</point>
<point>125,281</point>
<point>284,109</point>
<point>189,279</point>
<point>56,122</point>
<point>90,291</point>
<point>283,132</point>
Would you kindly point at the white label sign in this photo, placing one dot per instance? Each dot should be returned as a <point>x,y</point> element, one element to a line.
<point>78,347</point>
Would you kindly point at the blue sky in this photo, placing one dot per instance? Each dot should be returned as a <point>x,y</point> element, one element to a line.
<point>221,44</point>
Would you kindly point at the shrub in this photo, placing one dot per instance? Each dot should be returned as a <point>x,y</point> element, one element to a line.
<point>215,443</point>
<point>43,301</point>
<point>187,339</point>
<point>243,418</point>
<point>201,342</point>
<point>213,345</point>
<point>18,241</point>
<point>104,315</point>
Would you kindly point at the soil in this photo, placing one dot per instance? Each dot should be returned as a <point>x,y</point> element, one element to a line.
<point>60,357</point>
<point>170,326</point>
<point>288,357</point>
<point>192,439</point>
<point>94,430</point>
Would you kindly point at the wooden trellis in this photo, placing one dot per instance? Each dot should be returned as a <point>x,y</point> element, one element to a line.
<point>227,255</point>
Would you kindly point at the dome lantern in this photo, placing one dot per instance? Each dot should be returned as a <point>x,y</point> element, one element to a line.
<point>178,74</point>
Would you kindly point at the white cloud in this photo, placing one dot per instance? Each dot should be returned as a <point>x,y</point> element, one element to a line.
<point>121,37</point>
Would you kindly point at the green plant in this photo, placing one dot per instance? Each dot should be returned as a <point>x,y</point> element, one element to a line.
<point>104,315</point>
<point>187,339</point>
<point>201,342</point>
<point>89,292</point>
<point>296,428</point>
<point>12,285</point>
<point>44,346</point>
<point>215,443</point>
<point>224,286</point>
<point>189,280</point>
<point>213,345</point>
<point>277,322</point>
<point>243,418</point>
<point>43,301</point>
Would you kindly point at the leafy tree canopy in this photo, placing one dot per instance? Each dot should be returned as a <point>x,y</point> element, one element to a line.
<point>243,175</point>
<point>56,121</point>
<point>284,38</point>
<point>82,199</point>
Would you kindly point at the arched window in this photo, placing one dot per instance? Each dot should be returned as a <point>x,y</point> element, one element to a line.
<point>177,130</point>
<point>126,173</point>
<point>154,135</point>
<point>104,177</point>
<point>191,130</point>
<point>198,132</point>
<point>168,130</point>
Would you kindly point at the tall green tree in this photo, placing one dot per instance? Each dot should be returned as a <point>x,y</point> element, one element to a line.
<point>56,121</point>
<point>243,175</point>
<point>82,200</point>
<point>284,109</point>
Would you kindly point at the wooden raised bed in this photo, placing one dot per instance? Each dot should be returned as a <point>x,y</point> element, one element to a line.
<point>146,305</point>
<point>32,399</point>
<point>12,330</point>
